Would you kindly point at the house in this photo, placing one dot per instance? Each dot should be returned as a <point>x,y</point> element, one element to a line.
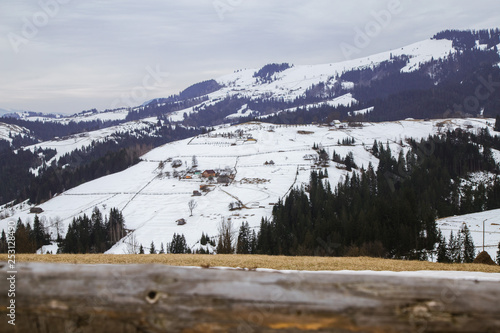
<point>181,221</point>
<point>196,194</point>
<point>36,210</point>
<point>208,173</point>
<point>223,179</point>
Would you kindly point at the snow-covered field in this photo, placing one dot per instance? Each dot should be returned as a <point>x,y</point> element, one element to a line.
<point>152,199</point>
<point>474,222</point>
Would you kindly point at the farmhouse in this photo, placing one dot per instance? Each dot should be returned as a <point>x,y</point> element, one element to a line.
<point>208,173</point>
<point>36,210</point>
<point>223,179</point>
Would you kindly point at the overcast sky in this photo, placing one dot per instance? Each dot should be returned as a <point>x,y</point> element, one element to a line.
<point>70,55</point>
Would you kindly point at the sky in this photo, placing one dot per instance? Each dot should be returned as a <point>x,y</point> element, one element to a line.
<point>66,56</point>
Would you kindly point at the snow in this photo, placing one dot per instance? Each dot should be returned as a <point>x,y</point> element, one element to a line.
<point>113,115</point>
<point>244,111</point>
<point>344,100</point>
<point>68,144</point>
<point>294,82</point>
<point>363,111</point>
<point>152,203</point>
<point>7,129</point>
<point>475,224</point>
<point>451,275</point>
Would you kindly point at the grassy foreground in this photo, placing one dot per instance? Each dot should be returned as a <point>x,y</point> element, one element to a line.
<point>255,261</point>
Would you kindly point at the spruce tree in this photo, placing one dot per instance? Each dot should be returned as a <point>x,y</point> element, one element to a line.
<point>454,248</point>
<point>442,250</point>
<point>152,249</point>
<point>162,250</point>
<point>3,243</point>
<point>498,254</point>
<point>243,245</point>
<point>141,249</point>
<point>497,124</point>
<point>98,233</point>
<point>40,238</point>
<point>178,244</point>
<point>469,250</point>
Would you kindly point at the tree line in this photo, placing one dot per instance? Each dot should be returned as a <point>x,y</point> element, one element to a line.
<point>94,234</point>
<point>27,239</point>
<point>388,212</point>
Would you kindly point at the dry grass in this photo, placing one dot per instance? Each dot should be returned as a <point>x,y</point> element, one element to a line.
<point>256,261</point>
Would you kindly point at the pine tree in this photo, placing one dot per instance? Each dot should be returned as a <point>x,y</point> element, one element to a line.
<point>498,254</point>
<point>178,245</point>
<point>141,249</point>
<point>497,124</point>
<point>162,250</point>
<point>3,243</point>
<point>468,248</point>
<point>243,245</point>
<point>98,233</point>
<point>24,241</point>
<point>454,248</point>
<point>442,250</point>
<point>116,226</point>
<point>253,242</point>
<point>152,249</point>
<point>40,237</point>
<point>204,239</point>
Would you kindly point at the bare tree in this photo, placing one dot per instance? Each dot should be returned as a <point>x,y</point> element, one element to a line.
<point>57,224</point>
<point>226,241</point>
<point>132,244</point>
<point>192,205</point>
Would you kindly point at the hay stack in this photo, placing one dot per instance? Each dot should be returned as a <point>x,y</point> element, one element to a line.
<point>484,258</point>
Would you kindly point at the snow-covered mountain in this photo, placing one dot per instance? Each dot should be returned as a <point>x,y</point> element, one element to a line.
<point>295,81</point>
<point>277,88</point>
<point>256,165</point>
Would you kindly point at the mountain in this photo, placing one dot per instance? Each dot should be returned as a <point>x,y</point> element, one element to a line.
<point>257,165</point>
<point>443,73</point>
<point>435,78</point>
<point>280,114</point>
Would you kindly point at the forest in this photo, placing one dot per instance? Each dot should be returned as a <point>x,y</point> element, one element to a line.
<point>81,165</point>
<point>389,212</point>
<point>95,234</point>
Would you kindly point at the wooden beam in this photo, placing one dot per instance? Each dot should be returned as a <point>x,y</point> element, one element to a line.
<point>157,298</point>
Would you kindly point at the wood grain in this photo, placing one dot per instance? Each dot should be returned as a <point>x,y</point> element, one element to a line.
<point>158,298</point>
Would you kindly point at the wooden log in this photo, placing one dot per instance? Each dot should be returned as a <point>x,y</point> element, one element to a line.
<point>157,298</point>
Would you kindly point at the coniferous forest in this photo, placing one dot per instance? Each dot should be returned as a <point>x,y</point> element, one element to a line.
<point>388,212</point>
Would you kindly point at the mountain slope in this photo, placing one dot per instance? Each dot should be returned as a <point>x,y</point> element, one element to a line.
<point>153,194</point>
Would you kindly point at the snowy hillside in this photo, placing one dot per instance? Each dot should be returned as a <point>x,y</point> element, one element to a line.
<point>8,130</point>
<point>474,222</point>
<point>294,82</point>
<point>68,144</point>
<point>260,162</point>
<point>85,116</point>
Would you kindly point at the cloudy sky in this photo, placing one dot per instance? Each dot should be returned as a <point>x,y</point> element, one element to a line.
<point>65,56</point>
